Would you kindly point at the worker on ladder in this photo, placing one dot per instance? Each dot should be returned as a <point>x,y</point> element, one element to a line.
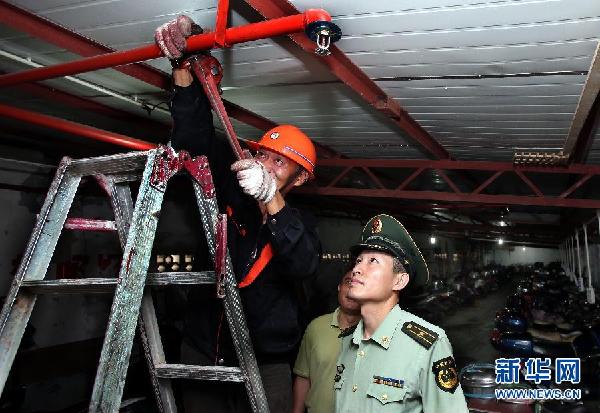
<point>272,245</point>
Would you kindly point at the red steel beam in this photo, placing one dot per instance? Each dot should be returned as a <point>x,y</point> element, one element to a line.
<point>44,29</point>
<point>79,102</point>
<point>353,76</point>
<point>488,182</point>
<point>233,35</point>
<point>339,177</point>
<point>545,201</point>
<point>529,183</point>
<point>74,42</point>
<point>448,181</point>
<point>459,165</point>
<point>576,185</point>
<point>435,206</point>
<point>585,138</point>
<point>247,117</point>
<point>373,177</point>
<point>411,178</point>
<point>585,120</point>
<point>75,128</point>
<point>475,196</point>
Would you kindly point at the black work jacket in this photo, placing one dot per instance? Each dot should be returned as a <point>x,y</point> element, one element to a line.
<point>270,303</point>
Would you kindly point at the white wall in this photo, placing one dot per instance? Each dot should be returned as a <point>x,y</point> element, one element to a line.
<point>514,254</point>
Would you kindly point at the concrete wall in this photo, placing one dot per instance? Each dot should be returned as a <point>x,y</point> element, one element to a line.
<point>516,254</point>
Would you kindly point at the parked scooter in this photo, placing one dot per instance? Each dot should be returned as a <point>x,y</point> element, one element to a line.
<point>546,319</point>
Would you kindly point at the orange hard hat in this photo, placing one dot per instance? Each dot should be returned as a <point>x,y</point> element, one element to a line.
<point>291,142</point>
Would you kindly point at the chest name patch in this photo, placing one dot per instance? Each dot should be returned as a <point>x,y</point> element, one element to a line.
<point>388,381</point>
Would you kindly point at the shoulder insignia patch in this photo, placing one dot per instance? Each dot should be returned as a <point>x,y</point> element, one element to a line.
<point>445,374</point>
<point>347,331</point>
<point>420,334</point>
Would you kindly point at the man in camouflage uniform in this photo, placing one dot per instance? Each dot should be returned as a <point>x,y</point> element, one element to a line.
<point>393,360</point>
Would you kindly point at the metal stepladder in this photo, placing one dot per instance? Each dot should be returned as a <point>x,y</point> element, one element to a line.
<point>136,226</point>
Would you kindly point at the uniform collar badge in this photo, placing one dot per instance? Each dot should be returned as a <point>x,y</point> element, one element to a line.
<point>347,331</point>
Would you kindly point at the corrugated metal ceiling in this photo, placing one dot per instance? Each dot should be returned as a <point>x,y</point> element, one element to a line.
<point>445,61</point>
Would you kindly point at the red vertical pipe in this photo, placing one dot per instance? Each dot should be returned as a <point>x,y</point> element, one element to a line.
<point>221,25</point>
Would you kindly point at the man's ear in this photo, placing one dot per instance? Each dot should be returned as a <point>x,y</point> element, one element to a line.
<point>301,178</point>
<point>401,281</point>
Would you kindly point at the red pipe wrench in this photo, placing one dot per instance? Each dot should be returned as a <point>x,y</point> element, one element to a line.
<point>209,72</point>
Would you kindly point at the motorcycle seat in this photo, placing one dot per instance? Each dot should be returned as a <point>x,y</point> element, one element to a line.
<point>554,336</point>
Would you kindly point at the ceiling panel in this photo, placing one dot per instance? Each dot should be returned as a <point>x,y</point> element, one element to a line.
<point>427,41</point>
<point>465,16</point>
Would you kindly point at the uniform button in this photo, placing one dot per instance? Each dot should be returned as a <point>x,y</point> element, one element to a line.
<point>361,353</point>
<point>354,388</point>
<point>273,221</point>
<point>385,339</point>
<point>384,396</point>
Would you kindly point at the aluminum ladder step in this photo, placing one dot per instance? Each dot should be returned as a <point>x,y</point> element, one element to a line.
<point>89,224</point>
<point>106,285</point>
<point>187,371</point>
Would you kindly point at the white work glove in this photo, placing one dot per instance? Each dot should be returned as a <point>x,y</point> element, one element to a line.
<point>170,37</point>
<point>255,180</point>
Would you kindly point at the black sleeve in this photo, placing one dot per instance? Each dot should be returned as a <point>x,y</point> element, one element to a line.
<point>295,241</point>
<point>193,130</point>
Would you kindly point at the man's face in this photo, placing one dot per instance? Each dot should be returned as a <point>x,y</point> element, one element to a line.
<point>373,278</point>
<point>280,167</point>
<point>347,305</point>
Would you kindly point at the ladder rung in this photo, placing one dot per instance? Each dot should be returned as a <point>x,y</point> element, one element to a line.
<point>70,286</point>
<point>169,278</point>
<point>186,371</point>
<point>101,285</point>
<point>87,224</point>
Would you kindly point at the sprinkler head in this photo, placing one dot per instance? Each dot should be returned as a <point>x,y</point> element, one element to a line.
<point>323,33</point>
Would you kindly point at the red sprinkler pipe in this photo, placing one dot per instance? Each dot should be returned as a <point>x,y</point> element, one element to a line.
<point>75,128</point>
<point>254,31</point>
